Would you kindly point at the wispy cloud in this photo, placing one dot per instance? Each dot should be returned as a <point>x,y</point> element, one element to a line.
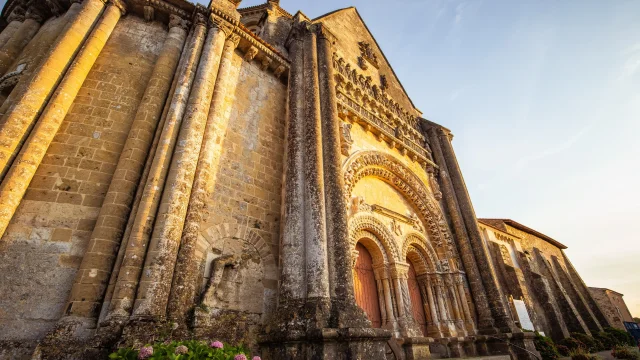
<point>523,162</point>
<point>632,61</point>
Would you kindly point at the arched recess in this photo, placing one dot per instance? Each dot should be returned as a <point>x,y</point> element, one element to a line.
<point>416,244</point>
<point>387,168</point>
<point>366,289</point>
<point>237,245</point>
<point>360,225</point>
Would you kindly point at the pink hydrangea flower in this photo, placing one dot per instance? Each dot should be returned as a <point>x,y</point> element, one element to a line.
<point>216,344</point>
<point>145,352</point>
<point>240,357</point>
<point>256,358</point>
<point>180,350</point>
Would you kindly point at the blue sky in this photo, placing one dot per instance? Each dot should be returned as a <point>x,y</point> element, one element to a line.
<point>544,100</point>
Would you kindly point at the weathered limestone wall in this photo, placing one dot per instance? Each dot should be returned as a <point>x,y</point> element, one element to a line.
<point>46,239</point>
<point>612,305</point>
<point>244,208</point>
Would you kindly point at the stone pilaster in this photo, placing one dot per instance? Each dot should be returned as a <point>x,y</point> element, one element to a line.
<point>155,285</point>
<point>292,279</point>
<point>21,116</point>
<point>345,312</point>
<point>184,289</point>
<point>485,318</point>
<point>317,270</point>
<point>20,38</point>
<point>487,273</point>
<point>110,225</point>
<point>144,216</point>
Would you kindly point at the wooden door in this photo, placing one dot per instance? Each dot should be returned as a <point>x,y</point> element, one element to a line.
<point>417,304</point>
<point>365,286</point>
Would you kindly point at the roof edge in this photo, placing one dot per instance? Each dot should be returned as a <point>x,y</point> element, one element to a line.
<point>529,230</point>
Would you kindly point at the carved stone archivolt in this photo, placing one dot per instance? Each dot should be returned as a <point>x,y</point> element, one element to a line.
<point>369,223</point>
<point>390,170</point>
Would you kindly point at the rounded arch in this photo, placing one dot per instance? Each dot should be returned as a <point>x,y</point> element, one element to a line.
<point>415,241</point>
<point>251,236</point>
<point>361,224</point>
<point>387,168</point>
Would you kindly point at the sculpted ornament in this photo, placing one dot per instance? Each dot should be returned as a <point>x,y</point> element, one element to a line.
<point>211,295</point>
<point>367,53</point>
<point>395,227</point>
<point>387,168</point>
<point>345,139</point>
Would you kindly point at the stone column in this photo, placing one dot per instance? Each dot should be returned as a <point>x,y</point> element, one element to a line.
<point>434,327</point>
<point>20,117</point>
<point>445,318</point>
<point>21,37</point>
<point>317,269</point>
<point>185,282</point>
<point>292,281</point>
<point>455,304</point>
<point>155,285</point>
<point>465,305</point>
<point>144,216</point>
<point>487,272</point>
<point>386,287</point>
<point>14,19</point>
<point>90,282</point>
<point>381,302</point>
<point>485,318</point>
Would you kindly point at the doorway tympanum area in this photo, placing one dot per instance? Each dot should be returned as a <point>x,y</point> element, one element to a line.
<point>417,303</point>
<point>365,286</point>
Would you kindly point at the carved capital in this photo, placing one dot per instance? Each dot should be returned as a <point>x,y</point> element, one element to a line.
<point>221,24</point>
<point>36,14</point>
<point>232,41</point>
<point>17,14</point>
<point>120,4</point>
<point>251,53</point>
<point>55,7</point>
<point>323,33</point>
<point>199,16</point>
<point>177,21</point>
<point>297,33</point>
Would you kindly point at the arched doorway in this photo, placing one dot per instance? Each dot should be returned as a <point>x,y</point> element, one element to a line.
<point>417,303</point>
<point>365,286</point>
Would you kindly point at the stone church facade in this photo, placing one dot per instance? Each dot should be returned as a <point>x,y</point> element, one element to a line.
<point>243,174</point>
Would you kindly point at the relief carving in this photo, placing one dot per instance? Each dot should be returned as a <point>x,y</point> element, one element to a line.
<point>345,139</point>
<point>368,54</point>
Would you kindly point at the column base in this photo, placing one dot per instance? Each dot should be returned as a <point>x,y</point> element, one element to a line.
<point>417,348</point>
<point>328,344</point>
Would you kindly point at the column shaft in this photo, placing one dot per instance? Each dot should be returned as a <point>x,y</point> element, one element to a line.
<point>487,272</point>
<point>485,319</point>
<point>292,281</point>
<point>115,210</point>
<point>381,302</point>
<point>337,231</point>
<point>317,269</point>
<point>21,37</point>
<point>184,289</point>
<point>144,216</point>
<point>155,284</point>
<point>387,300</point>
<point>20,117</point>
<point>8,32</point>
<point>15,184</point>
<point>465,306</point>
